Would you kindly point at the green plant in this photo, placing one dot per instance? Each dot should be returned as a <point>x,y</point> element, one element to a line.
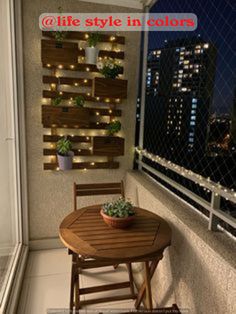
<point>109,68</point>
<point>56,101</point>
<point>64,146</point>
<point>114,127</point>
<point>93,39</point>
<point>59,35</point>
<point>79,101</point>
<point>119,208</point>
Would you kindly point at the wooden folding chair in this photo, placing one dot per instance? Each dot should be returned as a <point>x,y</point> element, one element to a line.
<point>80,262</point>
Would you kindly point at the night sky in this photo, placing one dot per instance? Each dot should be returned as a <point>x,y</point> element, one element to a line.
<point>216,24</point>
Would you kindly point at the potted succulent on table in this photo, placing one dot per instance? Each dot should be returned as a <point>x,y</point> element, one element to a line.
<point>91,52</point>
<point>64,154</point>
<point>118,214</point>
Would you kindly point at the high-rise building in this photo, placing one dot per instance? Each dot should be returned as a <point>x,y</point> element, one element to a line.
<point>179,101</point>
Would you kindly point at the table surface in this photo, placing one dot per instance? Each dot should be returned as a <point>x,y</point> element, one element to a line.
<point>84,232</point>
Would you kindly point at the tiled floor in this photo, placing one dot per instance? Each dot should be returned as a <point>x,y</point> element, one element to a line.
<point>47,281</point>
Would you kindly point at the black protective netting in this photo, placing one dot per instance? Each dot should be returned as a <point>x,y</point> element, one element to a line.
<point>190,107</point>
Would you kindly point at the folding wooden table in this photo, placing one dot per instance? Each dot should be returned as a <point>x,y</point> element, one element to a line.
<point>86,234</point>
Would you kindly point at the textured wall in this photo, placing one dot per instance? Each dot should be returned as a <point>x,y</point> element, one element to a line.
<point>198,271</point>
<point>50,193</point>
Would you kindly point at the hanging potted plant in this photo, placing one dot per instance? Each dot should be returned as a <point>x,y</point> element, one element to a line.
<point>110,86</point>
<point>91,52</point>
<point>113,127</point>
<point>79,101</point>
<point>118,214</point>
<point>64,154</point>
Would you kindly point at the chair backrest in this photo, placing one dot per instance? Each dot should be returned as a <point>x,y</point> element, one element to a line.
<point>97,189</point>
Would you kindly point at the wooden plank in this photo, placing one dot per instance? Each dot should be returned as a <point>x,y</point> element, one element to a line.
<point>126,245</point>
<point>77,152</point>
<point>67,52</point>
<point>114,286</point>
<point>98,186</point>
<point>47,79</point>
<point>92,126</point>
<point>74,66</point>
<point>110,146</point>
<point>73,139</point>
<point>106,53</point>
<point>98,192</point>
<point>106,87</point>
<point>85,165</point>
<point>83,36</point>
<point>70,116</point>
<point>108,299</point>
<point>71,95</point>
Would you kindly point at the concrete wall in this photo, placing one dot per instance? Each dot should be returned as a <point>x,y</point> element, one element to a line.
<point>198,271</point>
<point>50,193</point>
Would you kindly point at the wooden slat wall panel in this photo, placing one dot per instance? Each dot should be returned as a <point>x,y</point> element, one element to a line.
<point>81,36</point>
<point>47,79</point>
<point>106,53</point>
<point>73,66</point>
<point>114,88</point>
<point>73,139</point>
<point>85,165</point>
<point>112,145</point>
<point>68,53</point>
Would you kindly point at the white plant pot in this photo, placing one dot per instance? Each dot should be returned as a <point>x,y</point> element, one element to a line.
<point>91,54</point>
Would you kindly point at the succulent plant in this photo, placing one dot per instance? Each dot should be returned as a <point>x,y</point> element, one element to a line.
<point>79,101</point>
<point>114,127</point>
<point>56,101</point>
<point>93,39</point>
<point>119,208</point>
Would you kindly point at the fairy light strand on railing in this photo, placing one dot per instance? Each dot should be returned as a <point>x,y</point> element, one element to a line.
<point>217,188</point>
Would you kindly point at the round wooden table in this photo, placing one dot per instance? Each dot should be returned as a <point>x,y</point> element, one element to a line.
<point>85,233</point>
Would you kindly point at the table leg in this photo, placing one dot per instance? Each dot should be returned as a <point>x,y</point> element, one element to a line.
<point>142,289</point>
<point>148,286</point>
<point>77,292</point>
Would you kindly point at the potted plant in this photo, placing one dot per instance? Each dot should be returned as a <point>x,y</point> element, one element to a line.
<point>56,101</point>
<point>64,153</point>
<point>79,101</point>
<point>91,52</point>
<point>110,85</point>
<point>114,127</point>
<point>118,214</point>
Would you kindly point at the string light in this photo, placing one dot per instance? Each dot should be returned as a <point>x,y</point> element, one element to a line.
<point>87,69</point>
<point>86,36</point>
<point>76,84</point>
<point>60,66</point>
<point>85,81</point>
<point>72,66</point>
<point>112,38</point>
<point>207,183</point>
<point>48,65</point>
<point>60,93</point>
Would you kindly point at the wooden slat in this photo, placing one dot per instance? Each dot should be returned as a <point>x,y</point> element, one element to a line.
<point>108,299</point>
<point>115,286</point>
<point>73,139</point>
<point>81,36</point>
<point>123,245</point>
<point>47,79</point>
<point>77,152</point>
<point>91,126</point>
<point>85,165</point>
<point>78,67</point>
<point>106,53</point>
<point>92,186</point>
<point>71,95</point>
<point>98,192</point>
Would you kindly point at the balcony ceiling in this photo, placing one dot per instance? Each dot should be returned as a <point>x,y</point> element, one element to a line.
<point>135,4</point>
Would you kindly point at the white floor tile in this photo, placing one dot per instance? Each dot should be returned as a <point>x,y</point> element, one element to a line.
<point>48,262</point>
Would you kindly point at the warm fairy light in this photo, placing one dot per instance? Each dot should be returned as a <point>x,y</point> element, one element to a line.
<point>48,65</point>
<point>97,113</point>
<point>92,163</point>
<point>98,98</point>
<point>110,111</point>
<point>88,94</point>
<point>85,169</point>
<point>83,134</point>
<point>71,98</point>
<point>76,84</point>
<point>72,66</point>
<point>51,145</point>
<point>60,66</point>
<point>79,150</point>
<point>90,148</point>
<point>100,58</point>
<point>60,93</point>
<point>85,81</point>
<point>107,100</point>
<point>118,100</point>
<point>53,85</point>
<point>112,38</point>
<point>70,102</point>
<point>97,123</point>
<point>87,69</point>
<point>57,169</point>
<point>87,138</point>
<point>86,36</point>
<point>72,135</point>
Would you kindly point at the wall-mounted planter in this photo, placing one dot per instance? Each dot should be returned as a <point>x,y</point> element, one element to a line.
<point>91,55</point>
<point>59,52</point>
<point>111,88</point>
<point>65,116</point>
<point>108,146</point>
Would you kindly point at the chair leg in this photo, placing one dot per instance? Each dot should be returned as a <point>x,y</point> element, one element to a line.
<point>77,294</point>
<point>72,282</point>
<point>148,286</point>
<point>131,278</point>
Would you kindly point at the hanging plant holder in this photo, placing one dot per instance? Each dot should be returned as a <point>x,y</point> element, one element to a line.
<point>110,88</point>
